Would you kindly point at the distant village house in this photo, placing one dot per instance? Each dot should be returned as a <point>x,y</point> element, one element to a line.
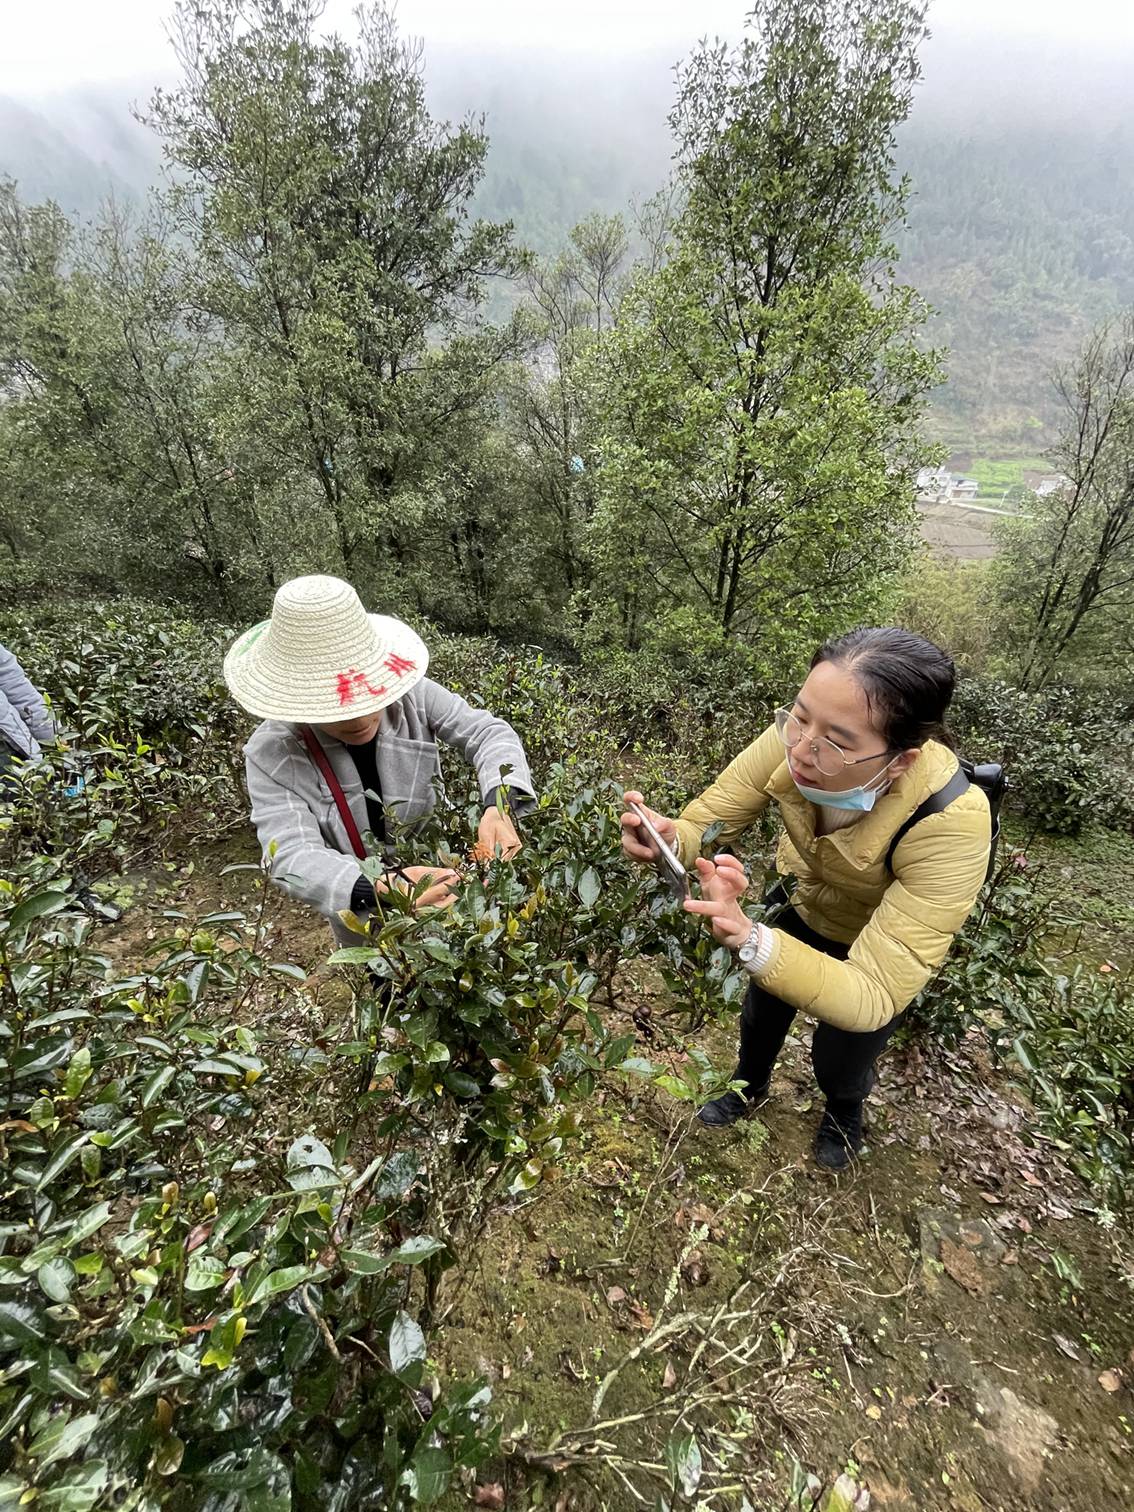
<point>939,486</point>
<point>1056,483</point>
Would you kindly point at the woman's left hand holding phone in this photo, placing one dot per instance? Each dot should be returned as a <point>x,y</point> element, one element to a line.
<point>640,849</point>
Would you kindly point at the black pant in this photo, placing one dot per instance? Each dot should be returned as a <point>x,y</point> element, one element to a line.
<point>843,1060</point>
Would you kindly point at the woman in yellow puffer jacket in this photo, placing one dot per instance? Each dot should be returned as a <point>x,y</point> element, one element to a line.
<point>862,746</point>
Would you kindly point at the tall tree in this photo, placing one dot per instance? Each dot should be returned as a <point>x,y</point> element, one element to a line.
<point>572,299</point>
<point>108,419</point>
<point>759,398</point>
<point>330,217</point>
<point>1066,576</point>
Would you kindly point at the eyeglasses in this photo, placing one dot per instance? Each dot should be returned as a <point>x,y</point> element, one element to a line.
<point>825,753</point>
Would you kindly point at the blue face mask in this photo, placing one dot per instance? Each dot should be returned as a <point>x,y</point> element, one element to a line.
<point>859,799</point>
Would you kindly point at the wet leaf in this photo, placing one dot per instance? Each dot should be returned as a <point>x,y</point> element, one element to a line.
<point>21,1323</point>
<point>590,887</point>
<point>61,1438</point>
<point>56,1278</point>
<point>683,1457</point>
<point>168,1455</point>
<point>38,907</point>
<point>428,1475</point>
<point>415,1250</point>
<point>407,1347</point>
<point>78,1489</point>
<point>205,1273</point>
<point>279,1281</point>
<point>61,1159</point>
<point>78,1074</point>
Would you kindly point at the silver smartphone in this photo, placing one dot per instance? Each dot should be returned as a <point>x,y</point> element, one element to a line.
<point>669,867</point>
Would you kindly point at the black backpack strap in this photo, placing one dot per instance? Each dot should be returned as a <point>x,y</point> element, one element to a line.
<point>934,804</point>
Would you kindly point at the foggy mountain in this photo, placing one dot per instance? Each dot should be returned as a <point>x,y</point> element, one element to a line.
<point>1021,227</point>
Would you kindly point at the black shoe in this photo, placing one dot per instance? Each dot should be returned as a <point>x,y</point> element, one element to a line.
<point>840,1135</point>
<point>96,907</point>
<point>730,1107</point>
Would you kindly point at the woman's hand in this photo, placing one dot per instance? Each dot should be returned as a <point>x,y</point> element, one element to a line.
<point>723,883</point>
<point>496,829</point>
<point>641,849</point>
<point>439,894</point>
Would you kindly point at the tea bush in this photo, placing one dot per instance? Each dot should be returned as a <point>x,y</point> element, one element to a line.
<point>126,669</point>
<point>202,1298</point>
<point>1070,1032</point>
<point>231,1227</point>
<point>1070,758</point>
<point>1075,1045</point>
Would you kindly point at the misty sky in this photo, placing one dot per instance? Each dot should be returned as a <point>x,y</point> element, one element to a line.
<point>47,45</point>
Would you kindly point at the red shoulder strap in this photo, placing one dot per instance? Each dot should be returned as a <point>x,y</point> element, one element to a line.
<point>319,757</point>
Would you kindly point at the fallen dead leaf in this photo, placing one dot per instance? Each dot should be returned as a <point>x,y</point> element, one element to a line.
<point>1068,1348</point>
<point>991,1198</point>
<point>694,1269</point>
<point>874,1412</point>
<point>615,1295</point>
<point>964,1268</point>
<point>1111,1380</point>
<point>669,1380</point>
<point>642,1316</point>
<point>197,1236</point>
<point>490,1495</point>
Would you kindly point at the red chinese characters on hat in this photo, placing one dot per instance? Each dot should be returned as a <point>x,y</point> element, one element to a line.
<point>399,665</point>
<point>352,682</point>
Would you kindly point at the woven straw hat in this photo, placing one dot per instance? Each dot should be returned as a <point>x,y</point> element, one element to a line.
<point>322,658</point>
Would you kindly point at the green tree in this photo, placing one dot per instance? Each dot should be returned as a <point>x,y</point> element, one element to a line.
<point>572,300</point>
<point>107,427</point>
<point>1066,575</point>
<point>329,215</point>
<point>757,404</point>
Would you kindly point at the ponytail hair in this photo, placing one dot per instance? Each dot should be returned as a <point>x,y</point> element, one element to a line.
<point>908,682</point>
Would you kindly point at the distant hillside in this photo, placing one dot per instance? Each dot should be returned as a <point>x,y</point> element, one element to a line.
<point>76,149</point>
<point>1022,239</point>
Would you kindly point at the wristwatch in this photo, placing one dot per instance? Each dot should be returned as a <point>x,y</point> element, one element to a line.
<point>750,950</point>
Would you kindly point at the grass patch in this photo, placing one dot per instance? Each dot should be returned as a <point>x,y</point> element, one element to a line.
<point>996,475</point>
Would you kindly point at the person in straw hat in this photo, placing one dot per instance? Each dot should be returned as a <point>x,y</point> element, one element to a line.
<point>350,739</point>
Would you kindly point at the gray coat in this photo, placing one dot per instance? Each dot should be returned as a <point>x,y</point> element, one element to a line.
<point>25,719</point>
<point>292,806</point>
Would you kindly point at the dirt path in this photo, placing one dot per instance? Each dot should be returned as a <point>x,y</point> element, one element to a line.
<point>947,1325</point>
